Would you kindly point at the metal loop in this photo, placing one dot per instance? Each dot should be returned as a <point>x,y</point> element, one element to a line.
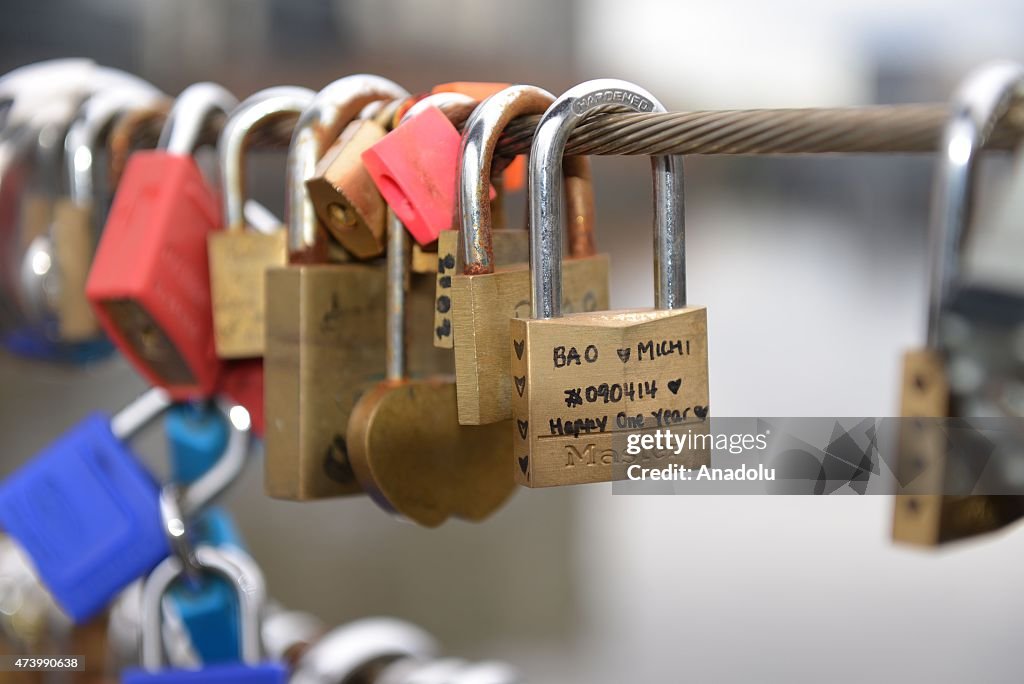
<point>86,132</point>
<point>480,137</point>
<point>233,565</point>
<point>196,103</point>
<point>139,412</point>
<point>226,470</point>
<point>454,105</point>
<point>332,109</point>
<point>977,105</point>
<point>545,179</point>
<point>257,111</point>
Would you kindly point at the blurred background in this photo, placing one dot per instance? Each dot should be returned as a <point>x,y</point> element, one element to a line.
<point>813,273</point>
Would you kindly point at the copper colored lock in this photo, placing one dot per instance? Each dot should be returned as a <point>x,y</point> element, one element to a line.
<point>345,198</point>
<point>405,443</point>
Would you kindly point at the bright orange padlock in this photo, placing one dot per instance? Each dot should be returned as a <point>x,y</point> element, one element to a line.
<point>149,283</point>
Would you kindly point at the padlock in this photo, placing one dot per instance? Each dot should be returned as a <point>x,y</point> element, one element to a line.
<point>343,194</point>
<point>931,514</point>
<point>414,167</point>
<point>55,256</point>
<point>150,282</point>
<point>239,257</point>
<point>583,382</point>
<point>325,322</point>
<point>247,582</point>
<point>85,510</point>
<point>405,444</point>
<point>482,297</point>
<point>197,436</point>
<point>88,513</point>
<point>78,217</point>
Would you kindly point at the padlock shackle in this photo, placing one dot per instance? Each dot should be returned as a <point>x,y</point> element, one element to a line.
<point>397,260</point>
<point>233,565</point>
<point>476,154</point>
<point>131,130</point>
<point>333,108</point>
<point>983,97</point>
<point>183,129</point>
<point>92,125</point>
<point>141,411</point>
<point>455,106</point>
<point>545,187</point>
<point>264,108</point>
<point>339,654</point>
<point>201,493</point>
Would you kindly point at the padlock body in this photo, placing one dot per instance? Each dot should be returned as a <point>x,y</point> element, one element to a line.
<point>236,673</point>
<point>73,247</point>
<point>345,197</point>
<point>410,454</point>
<point>508,247</point>
<point>415,168</point>
<point>209,611</point>
<point>87,512</point>
<point>482,305</point>
<point>582,383</point>
<point>238,265</point>
<point>150,282</point>
<point>325,346</point>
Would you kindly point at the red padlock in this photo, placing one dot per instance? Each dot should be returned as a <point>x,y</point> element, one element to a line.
<point>415,165</point>
<point>150,283</point>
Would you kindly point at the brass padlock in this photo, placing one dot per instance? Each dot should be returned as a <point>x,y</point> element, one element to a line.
<point>583,382</point>
<point>931,514</point>
<point>79,216</point>
<point>482,297</point>
<point>238,257</point>
<point>405,443</point>
<point>345,197</point>
<point>325,322</point>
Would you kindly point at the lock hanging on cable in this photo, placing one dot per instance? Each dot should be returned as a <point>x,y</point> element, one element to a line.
<point>928,513</point>
<point>150,282</point>
<point>487,286</point>
<point>583,382</point>
<point>239,258</point>
<point>405,444</point>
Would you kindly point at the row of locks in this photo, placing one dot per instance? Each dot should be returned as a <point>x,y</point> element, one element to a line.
<point>393,338</point>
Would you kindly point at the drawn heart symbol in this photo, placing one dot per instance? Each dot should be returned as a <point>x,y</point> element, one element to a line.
<point>518,344</point>
<point>701,411</point>
<point>623,354</point>
<point>673,385</point>
<point>524,463</point>
<point>520,383</point>
<point>524,425</point>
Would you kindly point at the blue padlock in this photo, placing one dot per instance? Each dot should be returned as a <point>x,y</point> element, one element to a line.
<point>87,512</point>
<point>247,582</point>
<point>197,434</point>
